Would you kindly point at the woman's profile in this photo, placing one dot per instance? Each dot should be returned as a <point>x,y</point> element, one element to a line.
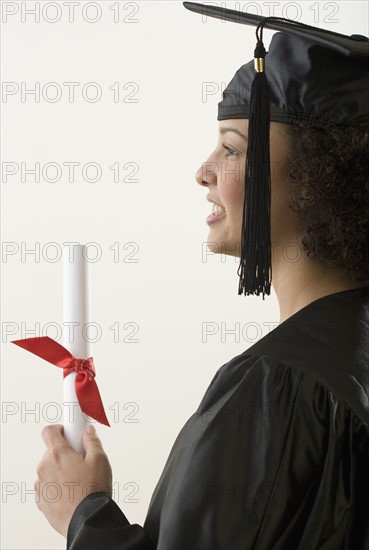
<point>277,454</point>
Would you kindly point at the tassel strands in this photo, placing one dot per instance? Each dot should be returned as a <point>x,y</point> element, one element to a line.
<point>255,268</point>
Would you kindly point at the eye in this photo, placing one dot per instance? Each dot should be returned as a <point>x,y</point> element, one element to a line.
<point>230,152</point>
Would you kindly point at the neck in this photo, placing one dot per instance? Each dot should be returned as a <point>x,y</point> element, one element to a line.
<point>297,284</point>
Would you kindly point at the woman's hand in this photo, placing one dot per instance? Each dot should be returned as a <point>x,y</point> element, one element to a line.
<point>65,477</point>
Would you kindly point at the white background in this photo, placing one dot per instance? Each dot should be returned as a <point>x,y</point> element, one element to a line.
<point>175,291</point>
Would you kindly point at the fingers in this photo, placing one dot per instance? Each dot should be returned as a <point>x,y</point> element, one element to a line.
<point>92,442</point>
<point>53,435</point>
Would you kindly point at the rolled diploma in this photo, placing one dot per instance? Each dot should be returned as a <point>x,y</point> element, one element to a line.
<point>76,311</point>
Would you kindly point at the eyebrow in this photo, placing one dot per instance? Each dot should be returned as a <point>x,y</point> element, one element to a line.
<point>225,129</point>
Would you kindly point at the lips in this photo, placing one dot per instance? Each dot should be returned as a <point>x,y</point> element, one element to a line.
<point>215,217</point>
<point>208,198</point>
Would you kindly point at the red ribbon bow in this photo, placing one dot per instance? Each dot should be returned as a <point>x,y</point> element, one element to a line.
<point>86,388</point>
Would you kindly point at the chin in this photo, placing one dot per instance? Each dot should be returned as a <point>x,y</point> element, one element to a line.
<point>213,247</point>
<point>218,246</point>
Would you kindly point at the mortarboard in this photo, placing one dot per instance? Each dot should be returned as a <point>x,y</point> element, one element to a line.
<point>308,74</point>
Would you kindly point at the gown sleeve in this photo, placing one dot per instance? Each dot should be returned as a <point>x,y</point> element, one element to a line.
<point>270,459</point>
<point>98,523</point>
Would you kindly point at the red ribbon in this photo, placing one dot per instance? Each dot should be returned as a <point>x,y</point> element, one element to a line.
<point>86,388</point>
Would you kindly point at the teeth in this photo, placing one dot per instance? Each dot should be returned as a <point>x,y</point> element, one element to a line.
<point>217,209</point>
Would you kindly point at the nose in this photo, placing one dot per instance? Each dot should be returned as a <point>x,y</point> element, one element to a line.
<point>207,172</point>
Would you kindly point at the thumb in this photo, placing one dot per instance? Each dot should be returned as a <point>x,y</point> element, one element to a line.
<point>91,441</point>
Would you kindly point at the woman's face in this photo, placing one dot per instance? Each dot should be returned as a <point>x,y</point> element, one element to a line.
<point>223,174</point>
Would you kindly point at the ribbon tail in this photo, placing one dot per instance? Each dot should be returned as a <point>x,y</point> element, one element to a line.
<point>47,349</point>
<point>89,399</point>
<point>88,394</point>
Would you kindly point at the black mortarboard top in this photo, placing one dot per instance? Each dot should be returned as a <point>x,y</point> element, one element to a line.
<point>308,74</point>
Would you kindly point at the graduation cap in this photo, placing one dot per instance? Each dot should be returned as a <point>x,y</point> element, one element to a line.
<point>308,74</point>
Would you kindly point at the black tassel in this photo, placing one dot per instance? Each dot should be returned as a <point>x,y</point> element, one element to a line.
<point>255,268</point>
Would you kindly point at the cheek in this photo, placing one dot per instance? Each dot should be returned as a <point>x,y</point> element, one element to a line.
<point>231,188</point>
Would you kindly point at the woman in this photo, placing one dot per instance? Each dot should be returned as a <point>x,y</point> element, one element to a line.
<point>276,455</point>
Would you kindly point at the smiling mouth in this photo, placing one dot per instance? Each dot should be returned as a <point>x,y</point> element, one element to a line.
<point>217,209</point>
<point>215,216</point>
<point>216,206</point>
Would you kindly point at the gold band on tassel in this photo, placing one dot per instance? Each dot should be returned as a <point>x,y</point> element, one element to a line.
<point>259,64</point>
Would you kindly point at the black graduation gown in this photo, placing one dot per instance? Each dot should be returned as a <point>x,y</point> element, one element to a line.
<point>276,455</point>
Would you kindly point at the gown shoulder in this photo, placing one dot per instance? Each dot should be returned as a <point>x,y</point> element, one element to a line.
<point>276,454</point>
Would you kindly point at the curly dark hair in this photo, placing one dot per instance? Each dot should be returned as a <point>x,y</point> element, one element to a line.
<point>329,170</point>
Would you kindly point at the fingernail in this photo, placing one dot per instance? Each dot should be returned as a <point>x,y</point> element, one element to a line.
<point>91,429</point>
